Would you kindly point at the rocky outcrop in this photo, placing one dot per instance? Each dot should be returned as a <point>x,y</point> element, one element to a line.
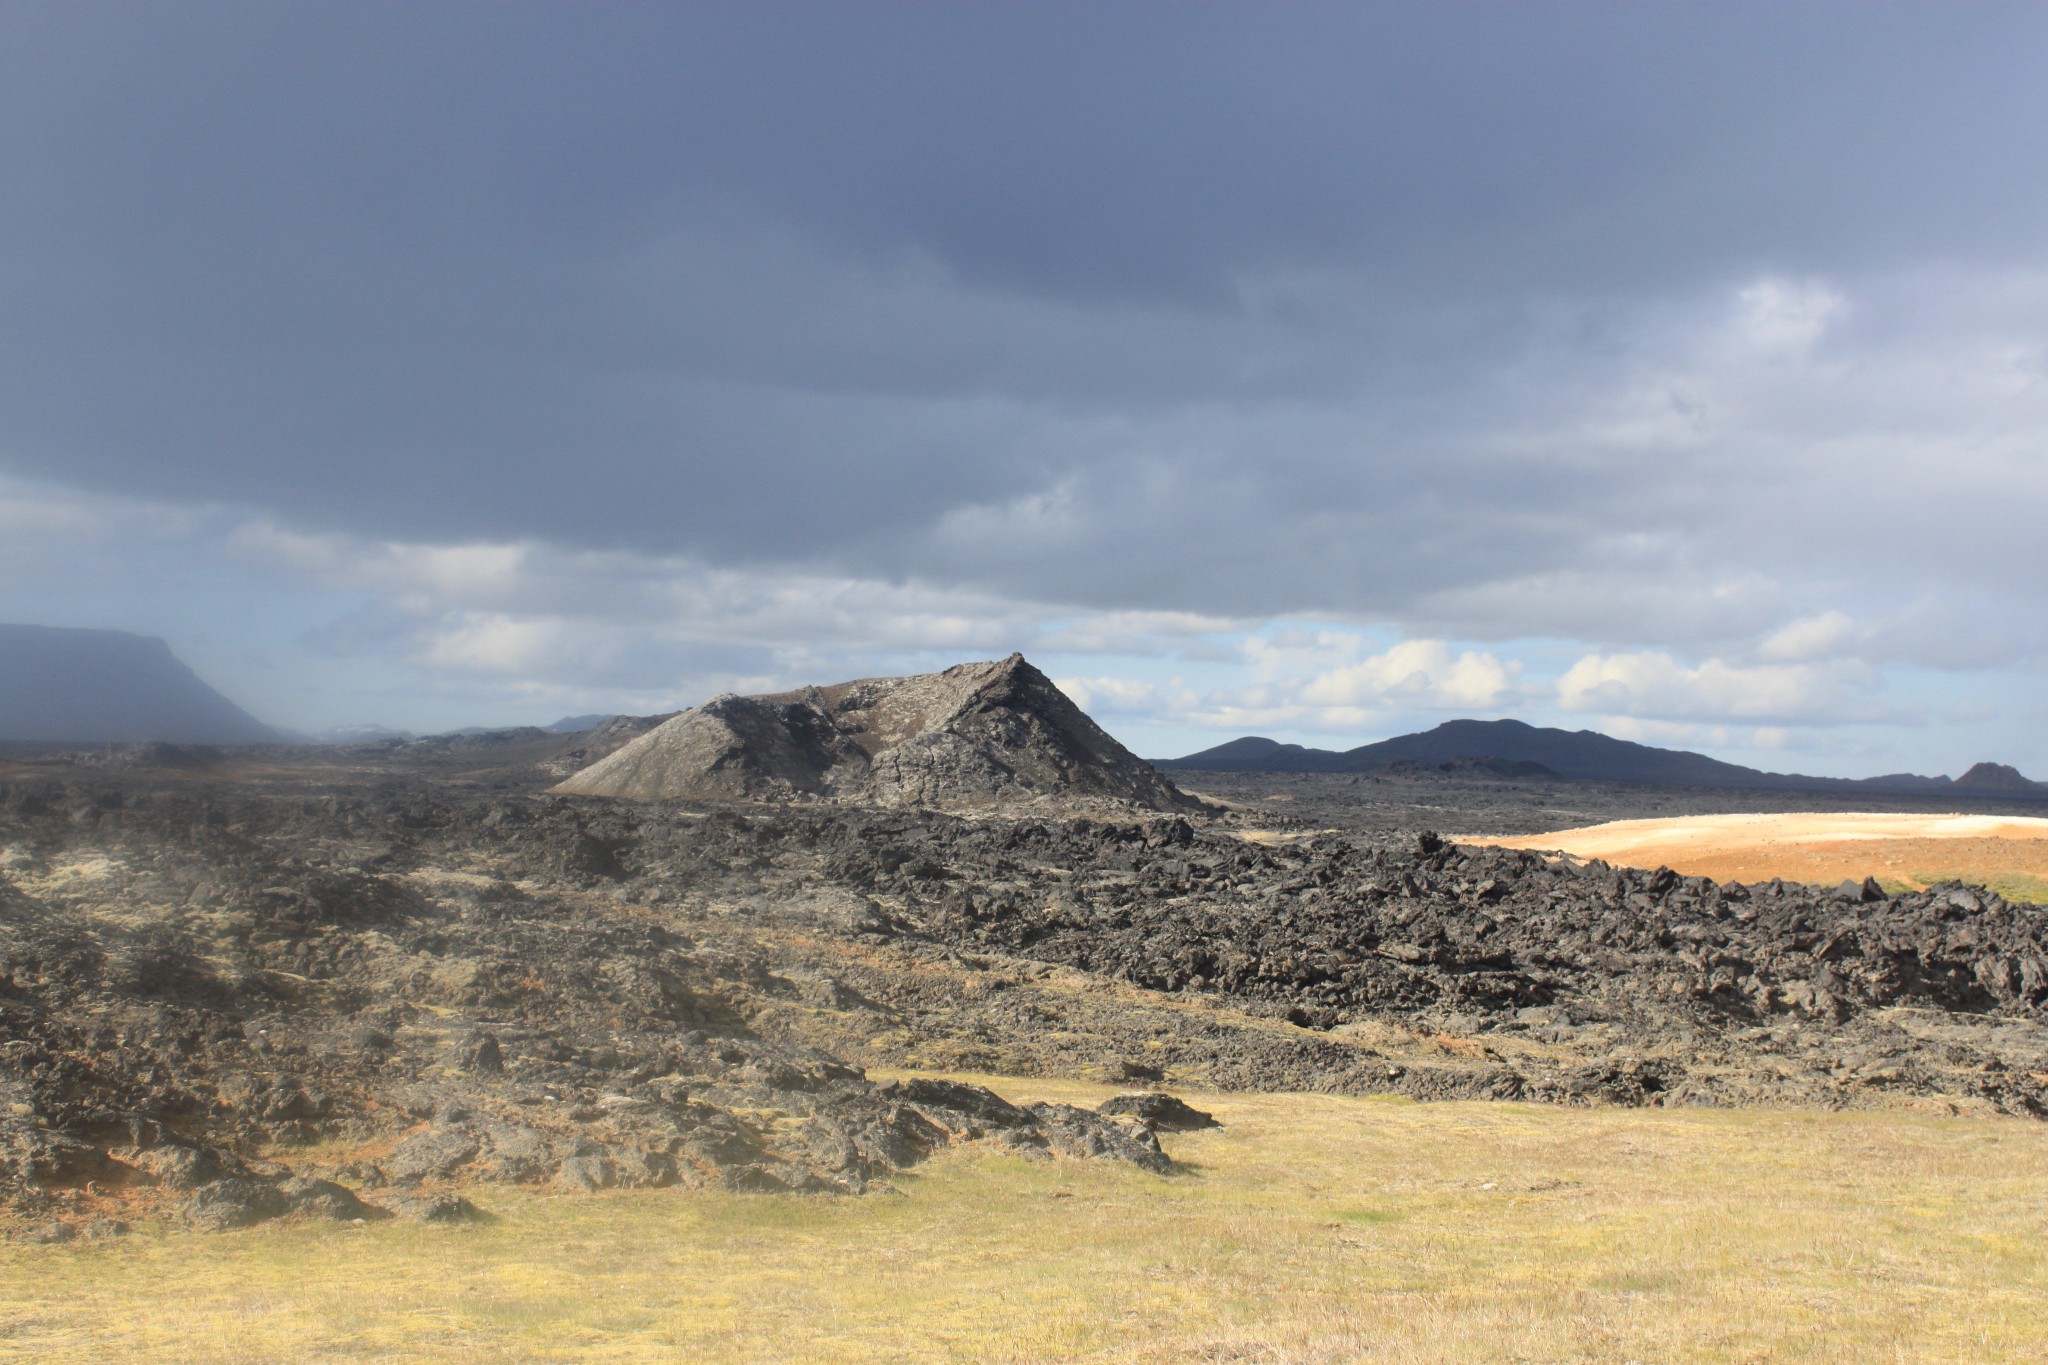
<point>1160,1112</point>
<point>207,1028</point>
<point>976,735</point>
<point>599,742</point>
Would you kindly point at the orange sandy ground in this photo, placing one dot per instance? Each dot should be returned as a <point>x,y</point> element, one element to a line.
<point>2009,854</point>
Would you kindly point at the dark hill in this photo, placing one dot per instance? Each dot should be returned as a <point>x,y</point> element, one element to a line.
<point>1996,777</point>
<point>1256,754</point>
<point>60,686</point>
<point>1578,755</point>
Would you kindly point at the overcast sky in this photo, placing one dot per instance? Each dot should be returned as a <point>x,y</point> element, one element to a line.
<point>1324,372</point>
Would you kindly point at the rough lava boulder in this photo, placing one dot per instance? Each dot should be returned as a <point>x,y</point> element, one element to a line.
<point>977,735</point>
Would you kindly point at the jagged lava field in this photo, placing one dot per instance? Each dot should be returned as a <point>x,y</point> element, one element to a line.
<point>777,962</point>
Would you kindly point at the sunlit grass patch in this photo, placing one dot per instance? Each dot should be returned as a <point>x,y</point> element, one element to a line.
<point>1309,1228</point>
<point>2014,886</point>
<point>2023,887</point>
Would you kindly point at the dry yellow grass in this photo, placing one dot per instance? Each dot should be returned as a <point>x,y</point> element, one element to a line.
<point>1310,1229</point>
<point>2009,854</point>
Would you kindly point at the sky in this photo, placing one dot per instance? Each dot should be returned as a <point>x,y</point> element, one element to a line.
<point>1325,372</point>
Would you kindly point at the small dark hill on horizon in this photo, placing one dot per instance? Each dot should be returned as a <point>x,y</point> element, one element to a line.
<point>976,735</point>
<point>1995,777</point>
<point>90,687</point>
<point>1575,755</point>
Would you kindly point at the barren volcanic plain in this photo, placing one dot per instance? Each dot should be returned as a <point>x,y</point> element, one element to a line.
<point>961,991</point>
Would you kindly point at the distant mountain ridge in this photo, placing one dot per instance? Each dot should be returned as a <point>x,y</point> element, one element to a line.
<point>1576,755</point>
<point>66,686</point>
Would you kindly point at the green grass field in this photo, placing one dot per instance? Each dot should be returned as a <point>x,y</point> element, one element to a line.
<point>1309,1229</point>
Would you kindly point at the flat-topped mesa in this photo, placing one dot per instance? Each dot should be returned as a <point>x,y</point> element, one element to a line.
<point>975,736</point>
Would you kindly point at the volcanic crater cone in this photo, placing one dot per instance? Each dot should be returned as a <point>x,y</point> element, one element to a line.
<point>976,735</point>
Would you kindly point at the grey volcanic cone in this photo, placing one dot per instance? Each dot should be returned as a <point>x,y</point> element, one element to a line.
<point>980,734</point>
<point>109,687</point>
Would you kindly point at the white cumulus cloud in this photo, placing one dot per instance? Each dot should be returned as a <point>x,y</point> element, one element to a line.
<point>1825,635</point>
<point>1653,685</point>
<point>1786,315</point>
<point>1416,673</point>
<point>1110,695</point>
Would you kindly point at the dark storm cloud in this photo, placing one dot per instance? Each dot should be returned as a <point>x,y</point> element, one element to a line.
<point>1186,306</point>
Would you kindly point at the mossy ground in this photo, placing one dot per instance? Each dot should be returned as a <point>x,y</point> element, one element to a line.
<point>1310,1228</point>
<point>2014,886</point>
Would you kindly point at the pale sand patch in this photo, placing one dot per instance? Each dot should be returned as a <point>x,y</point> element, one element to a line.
<point>1272,837</point>
<point>2007,852</point>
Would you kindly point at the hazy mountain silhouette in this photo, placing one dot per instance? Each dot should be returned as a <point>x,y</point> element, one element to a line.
<point>63,686</point>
